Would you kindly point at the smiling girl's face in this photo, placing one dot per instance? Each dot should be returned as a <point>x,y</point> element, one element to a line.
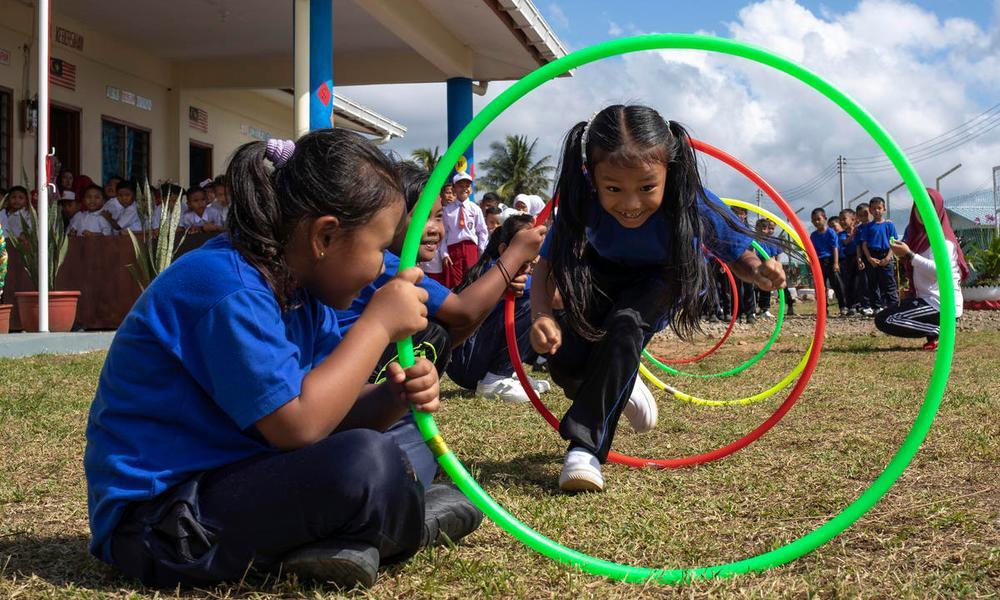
<point>630,194</point>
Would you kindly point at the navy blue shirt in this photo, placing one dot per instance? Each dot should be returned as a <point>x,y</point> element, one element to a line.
<point>648,244</point>
<point>204,354</point>
<point>436,294</point>
<point>877,234</point>
<point>825,242</point>
<point>850,248</point>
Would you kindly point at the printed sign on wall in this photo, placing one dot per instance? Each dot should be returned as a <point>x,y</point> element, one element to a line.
<point>113,93</point>
<point>69,38</point>
<point>4,57</point>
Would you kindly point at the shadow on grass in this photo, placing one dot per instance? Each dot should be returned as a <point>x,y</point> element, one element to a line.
<point>529,471</point>
<point>62,561</point>
<point>854,349</point>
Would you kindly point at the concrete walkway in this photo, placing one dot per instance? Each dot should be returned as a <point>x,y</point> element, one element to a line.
<point>13,345</point>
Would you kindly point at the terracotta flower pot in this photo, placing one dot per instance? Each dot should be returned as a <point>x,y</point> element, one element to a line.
<point>62,310</point>
<point>5,317</point>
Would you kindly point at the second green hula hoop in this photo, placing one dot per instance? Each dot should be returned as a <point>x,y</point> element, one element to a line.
<point>788,379</point>
<point>897,464</point>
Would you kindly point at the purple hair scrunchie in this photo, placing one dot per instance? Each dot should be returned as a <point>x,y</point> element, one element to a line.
<point>279,151</point>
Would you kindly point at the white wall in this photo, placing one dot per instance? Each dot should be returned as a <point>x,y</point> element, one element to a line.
<point>106,62</point>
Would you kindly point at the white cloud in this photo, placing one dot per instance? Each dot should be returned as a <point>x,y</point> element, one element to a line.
<point>558,16</point>
<point>917,74</point>
<point>614,29</point>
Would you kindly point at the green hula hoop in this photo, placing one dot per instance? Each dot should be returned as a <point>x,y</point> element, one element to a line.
<point>788,379</point>
<point>778,322</point>
<point>767,347</point>
<point>897,464</point>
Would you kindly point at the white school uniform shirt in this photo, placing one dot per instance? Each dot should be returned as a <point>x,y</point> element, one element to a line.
<point>474,229</point>
<point>128,218</point>
<point>94,222</point>
<point>191,219</point>
<point>925,278</point>
<point>114,207</point>
<point>217,214</point>
<point>11,222</point>
<point>434,265</point>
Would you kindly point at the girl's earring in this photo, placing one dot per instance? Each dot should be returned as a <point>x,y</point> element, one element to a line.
<point>322,254</point>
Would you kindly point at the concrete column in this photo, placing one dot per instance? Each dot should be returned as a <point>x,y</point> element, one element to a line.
<point>320,64</point>
<point>459,115</point>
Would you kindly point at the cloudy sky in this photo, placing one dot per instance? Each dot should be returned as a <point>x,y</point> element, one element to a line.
<point>922,67</point>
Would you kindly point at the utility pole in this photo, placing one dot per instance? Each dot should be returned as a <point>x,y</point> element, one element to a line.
<point>760,196</point>
<point>840,169</point>
<point>996,197</point>
<point>937,182</point>
<point>889,193</point>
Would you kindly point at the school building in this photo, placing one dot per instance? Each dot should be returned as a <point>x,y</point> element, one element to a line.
<point>166,90</point>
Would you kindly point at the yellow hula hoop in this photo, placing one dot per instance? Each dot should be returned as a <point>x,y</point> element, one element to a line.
<point>656,381</point>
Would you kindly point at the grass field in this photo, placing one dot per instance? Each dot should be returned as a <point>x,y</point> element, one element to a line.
<point>936,534</point>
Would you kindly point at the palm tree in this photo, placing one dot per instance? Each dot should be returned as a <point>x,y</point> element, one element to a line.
<point>512,169</point>
<point>426,157</point>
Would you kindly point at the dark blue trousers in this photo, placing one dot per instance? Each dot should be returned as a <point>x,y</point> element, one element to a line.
<point>356,486</point>
<point>882,280</point>
<point>486,351</point>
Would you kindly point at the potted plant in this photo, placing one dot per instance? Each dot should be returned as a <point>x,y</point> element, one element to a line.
<point>157,249</point>
<point>985,261</point>
<point>62,304</point>
<point>4,308</point>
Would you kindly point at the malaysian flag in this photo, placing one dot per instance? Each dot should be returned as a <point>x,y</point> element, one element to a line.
<point>197,119</point>
<point>62,73</point>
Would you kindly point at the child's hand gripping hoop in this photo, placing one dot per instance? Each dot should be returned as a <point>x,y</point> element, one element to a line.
<point>939,376</point>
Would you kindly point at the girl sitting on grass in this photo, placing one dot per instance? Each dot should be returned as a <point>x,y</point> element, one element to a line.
<point>198,469</point>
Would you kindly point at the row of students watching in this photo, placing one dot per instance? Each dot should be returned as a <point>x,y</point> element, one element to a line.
<point>92,210</point>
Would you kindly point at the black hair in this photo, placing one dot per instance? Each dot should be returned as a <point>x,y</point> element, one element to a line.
<point>859,206</point>
<point>331,172</point>
<point>501,235</point>
<point>833,220</point>
<point>847,211</point>
<point>817,211</point>
<point>18,188</point>
<point>125,184</point>
<point>628,136</point>
<point>876,199</point>
<point>118,177</point>
<point>219,180</point>
<point>92,186</point>
<point>171,189</point>
<point>492,210</point>
<point>413,179</point>
<point>490,197</point>
<point>196,190</point>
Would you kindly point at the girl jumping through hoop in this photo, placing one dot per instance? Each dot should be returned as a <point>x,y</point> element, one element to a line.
<point>625,256</point>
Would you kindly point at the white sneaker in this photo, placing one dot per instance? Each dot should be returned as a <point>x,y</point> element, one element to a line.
<point>508,389</point>
<point>867,312</point>
<point>767,314</point>
<point>641,410</point>
<point>540,386</point>
<point>581,472</point>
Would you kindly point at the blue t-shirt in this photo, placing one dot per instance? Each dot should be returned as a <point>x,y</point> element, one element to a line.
<point>850,248</point>
<point>825,242</point>
<point>204,354</point>
<point>877,234</point>
<point>436,294</point>
<point>648,244</point>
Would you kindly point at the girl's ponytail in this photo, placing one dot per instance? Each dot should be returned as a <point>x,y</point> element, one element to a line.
<point>570,272</point>
<point>255,217</point>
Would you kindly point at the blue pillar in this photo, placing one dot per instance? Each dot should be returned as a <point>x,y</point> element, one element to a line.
<point>320,64</point>
<point>459,115</point>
